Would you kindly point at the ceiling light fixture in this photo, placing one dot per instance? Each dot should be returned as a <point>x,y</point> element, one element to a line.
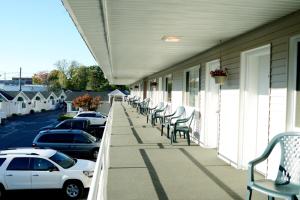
<point>171,38</point>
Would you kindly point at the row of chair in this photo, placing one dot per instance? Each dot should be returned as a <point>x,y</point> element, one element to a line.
<point>176,122</point>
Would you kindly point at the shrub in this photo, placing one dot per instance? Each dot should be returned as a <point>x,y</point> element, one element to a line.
<point>43,110</point>
<point>31,111</point>
<point>64,117</point>
<point>87,102</point>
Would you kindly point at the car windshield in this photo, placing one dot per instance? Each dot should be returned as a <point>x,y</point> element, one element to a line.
<point>63,160</point>
<point>92,138</point>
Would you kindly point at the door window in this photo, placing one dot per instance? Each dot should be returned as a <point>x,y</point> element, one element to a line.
<point>297,111</point>
<point>168,88</point>
<point>19,164</point>
<point>191,86</point>
<point>63,138</point>
<point>78,125</point>
<point>81,139</point>
<point>2,161</point>
<point>39,164</point>
<point>65,125</point>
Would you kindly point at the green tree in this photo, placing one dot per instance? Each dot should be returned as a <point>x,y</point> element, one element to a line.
<point>53,80</point>
<point>79,78</point>
<point>96,80</point>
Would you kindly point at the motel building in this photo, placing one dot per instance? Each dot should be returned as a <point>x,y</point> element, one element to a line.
<point>172,51</point>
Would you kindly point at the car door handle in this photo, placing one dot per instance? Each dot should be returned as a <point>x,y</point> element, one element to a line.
<point>9,175</point>
<point>35,175</point>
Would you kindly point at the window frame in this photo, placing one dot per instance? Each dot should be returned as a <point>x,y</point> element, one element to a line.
<point>192,74</point>
<point>167,91</point>
<point>292,81</point>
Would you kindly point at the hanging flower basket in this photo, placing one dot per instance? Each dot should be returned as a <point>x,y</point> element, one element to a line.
<point>220,79</point>
<point>153,84</point>
<point>220,75</point>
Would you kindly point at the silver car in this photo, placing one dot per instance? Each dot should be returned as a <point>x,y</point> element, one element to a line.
<point>72,142</point>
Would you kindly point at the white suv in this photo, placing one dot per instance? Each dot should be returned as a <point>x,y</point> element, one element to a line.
<point>95,118</point>
<point>29,168</point>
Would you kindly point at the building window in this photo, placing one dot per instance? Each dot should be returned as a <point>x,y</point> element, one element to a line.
<point>191,86</point>
<point>168,88</point>
<point>23,105</point>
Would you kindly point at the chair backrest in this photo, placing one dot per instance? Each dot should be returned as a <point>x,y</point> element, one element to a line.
<point>160,106</point>
<point>289,168</point>
<point>190,119</point>
<point>180,111</point>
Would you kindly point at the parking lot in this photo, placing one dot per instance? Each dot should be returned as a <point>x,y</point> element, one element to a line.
<point>19,131</point>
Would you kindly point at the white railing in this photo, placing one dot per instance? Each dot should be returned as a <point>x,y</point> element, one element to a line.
<point>99,182</point>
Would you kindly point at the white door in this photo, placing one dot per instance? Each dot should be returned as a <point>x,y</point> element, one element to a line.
<point>211,116</point>
<point>45,174</point>
<point>254,116</point>
<point>18,175</point>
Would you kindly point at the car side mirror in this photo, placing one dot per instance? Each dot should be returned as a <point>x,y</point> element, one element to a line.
<point>53,169</point>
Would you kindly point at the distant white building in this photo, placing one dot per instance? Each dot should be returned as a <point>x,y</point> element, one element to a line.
<point>116,95</point>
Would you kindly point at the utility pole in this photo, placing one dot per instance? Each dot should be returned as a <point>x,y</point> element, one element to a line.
<point>20,89</point>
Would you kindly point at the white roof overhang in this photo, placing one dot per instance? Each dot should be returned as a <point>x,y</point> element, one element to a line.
<point>124,36</point>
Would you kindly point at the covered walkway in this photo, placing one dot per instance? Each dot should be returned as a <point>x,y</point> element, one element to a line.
<point>143,165</point>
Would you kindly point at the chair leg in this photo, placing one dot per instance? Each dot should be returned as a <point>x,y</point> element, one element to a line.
<point>188,137</point>
<point>162,130</point>
<point>171,137</point>
<point>168,130</point>
<point>249,193</point>
<point>147,118</point>
<point>271,198</point>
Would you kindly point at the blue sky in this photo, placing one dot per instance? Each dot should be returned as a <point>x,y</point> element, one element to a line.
<point>34,34</point>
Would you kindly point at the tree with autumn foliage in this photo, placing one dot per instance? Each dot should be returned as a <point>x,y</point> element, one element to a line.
<point>40,78</point>
<point>87,102</point>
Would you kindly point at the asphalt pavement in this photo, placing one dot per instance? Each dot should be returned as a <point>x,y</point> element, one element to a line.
<point>19,131</point>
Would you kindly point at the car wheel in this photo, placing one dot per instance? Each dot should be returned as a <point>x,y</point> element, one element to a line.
<point>73,190</point>
<point>95,153</point>
<point>2,192</point>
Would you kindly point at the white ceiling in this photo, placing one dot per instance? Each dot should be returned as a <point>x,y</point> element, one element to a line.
<point>125,35</point>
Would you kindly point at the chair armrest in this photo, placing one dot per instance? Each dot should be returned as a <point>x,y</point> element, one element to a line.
<point>260,159</point>
<point>180,121</point>
<point>170,115</point>
<point>158,111</point>
<point>153,108</point>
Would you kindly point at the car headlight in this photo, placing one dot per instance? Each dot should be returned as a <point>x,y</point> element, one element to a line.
<point>88,173</point>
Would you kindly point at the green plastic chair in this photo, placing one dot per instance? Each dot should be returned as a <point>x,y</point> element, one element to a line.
<point>143,106</point>
<point>183,126</point>
<point>135,102</point>
<point>159,114</point>
<point>151,111</point>
<point>287,182</point>
<point>169,120</point>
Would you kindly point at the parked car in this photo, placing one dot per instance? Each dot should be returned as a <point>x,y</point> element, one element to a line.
<point>72,142</point>
<point>95,118</point>
<point>77,123</point>
<point>31,168</point>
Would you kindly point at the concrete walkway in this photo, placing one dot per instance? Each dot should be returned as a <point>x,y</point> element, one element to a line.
<point>145,166</point>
